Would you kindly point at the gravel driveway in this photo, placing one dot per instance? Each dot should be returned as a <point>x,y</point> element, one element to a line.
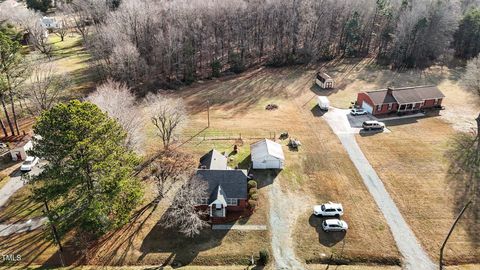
<point>414,256</point>
<point>284,209</point>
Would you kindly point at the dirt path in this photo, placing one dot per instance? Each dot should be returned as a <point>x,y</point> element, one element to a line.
<point>413,253</point>
<point>284,209</point>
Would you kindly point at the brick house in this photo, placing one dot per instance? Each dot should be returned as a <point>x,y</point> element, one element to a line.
<point>227,188</point>
<point>400,100</point>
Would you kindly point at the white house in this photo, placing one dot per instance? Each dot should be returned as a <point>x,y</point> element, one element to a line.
<point>50,23</point>
<point>267,154</point>
<point>19,150</point>
<point>324,80</point>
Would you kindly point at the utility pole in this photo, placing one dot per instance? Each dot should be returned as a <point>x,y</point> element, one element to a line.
<point>54,232</point>
<point>450,232</point>
<point>208,113</point>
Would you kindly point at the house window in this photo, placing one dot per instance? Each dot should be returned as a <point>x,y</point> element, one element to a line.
<point>232,201</point>
<point>390,105</point>
<point>379,108</point>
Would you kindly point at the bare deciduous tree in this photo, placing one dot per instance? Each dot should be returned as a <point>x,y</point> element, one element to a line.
<point>168,115</point>
<point>170,168</point>
<point>117,100</point>
<point>63,27</point>
<point>471,78</point>
<point>45,86</point>
<point>29,21</point>
<point>183,213</point>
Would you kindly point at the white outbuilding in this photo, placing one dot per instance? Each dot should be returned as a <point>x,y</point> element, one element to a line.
<point>267,154</point>
<point>324,80</point>
<point>19,150</point>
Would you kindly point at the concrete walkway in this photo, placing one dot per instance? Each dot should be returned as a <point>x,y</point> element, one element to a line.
<point>240,227</point>
<point>32,224</point>
<point>414,256</point>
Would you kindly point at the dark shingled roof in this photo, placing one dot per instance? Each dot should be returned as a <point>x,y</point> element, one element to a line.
<point>381,97</point>
<point>416,94</point>
<point>405,94</point>
<point>233,182</point>
<point>213,160</point>
<point>217,193</point>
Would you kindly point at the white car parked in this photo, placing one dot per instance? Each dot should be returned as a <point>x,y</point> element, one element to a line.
<point>357,111</point>
<point>329,209</point>
<point>334,225</point>
<point>373,125</point>
<point>29,163</point>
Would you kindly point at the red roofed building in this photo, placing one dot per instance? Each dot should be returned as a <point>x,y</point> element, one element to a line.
<point>400,100</point>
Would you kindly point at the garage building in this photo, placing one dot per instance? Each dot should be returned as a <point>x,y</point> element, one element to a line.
<point>267,154</point>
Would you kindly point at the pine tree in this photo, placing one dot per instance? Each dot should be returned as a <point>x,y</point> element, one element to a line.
<point>88,180</point>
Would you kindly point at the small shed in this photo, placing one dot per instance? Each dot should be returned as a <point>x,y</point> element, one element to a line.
<point>19,149</point>
<point>267,154</point>
<point>324,80</point>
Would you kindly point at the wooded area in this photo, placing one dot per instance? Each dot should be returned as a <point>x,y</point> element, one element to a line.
<point>169,41</point>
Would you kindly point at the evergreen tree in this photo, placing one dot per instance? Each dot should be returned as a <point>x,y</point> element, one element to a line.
<point>467,37</point>
<point>39,5</point>
<point>88,180</point>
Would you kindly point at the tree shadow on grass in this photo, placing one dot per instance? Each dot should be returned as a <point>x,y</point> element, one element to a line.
<point>29,245</point>
<point>328,239</point>
<point>464,187</point>
<point>111,249</point>
<point>181,250</point>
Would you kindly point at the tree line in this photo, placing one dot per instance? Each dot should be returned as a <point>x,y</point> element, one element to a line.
<point>151,42</point>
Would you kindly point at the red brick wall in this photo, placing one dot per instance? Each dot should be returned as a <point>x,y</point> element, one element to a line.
<point>242,204</point>
<point>362,97</point>
<point>384,109</point>
<point>429,103</point>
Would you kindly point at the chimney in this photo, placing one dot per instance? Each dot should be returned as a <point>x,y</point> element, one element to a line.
<point>389,90</point>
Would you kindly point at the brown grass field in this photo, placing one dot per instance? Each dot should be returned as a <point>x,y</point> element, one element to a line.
<point>413,168</point>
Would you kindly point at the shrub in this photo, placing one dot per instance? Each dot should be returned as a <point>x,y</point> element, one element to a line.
<point>253,190</point>
<point>216,68</point>
<point>263,257</point>
<point>39,5</point>
<point>236,63</point>
<point>254,196</point>
<point>252,203</point>
<point>252,184</point>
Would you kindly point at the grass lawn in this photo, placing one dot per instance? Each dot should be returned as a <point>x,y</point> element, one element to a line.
<point>72,59</point>
<point>20,207</point>
<point>414,167</point>
<point>318,172</point>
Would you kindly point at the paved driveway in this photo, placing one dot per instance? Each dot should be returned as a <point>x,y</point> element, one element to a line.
<point>342,122</point>
<point>414,256</point>
<point>16,182</point>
